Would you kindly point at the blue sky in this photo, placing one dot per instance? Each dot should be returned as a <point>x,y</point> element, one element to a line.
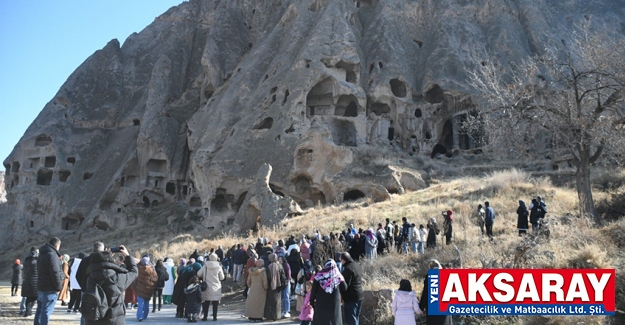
<point>43,42</point>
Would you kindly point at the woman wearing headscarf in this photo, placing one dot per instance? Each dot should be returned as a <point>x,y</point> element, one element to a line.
<point>251,262</point>
<point>144,287</point>
<point>325,295</point>
<point>371,244</point>
<point>29,286</point>
<point>168,289</point>
<point>276,280</point>
<point>534,215</point>
<point>16,279</point>
<point>447,226</point>
<point>257,295</point>
<point>212,274</point>
<point>432,233</point>
<point>64,293</point>
<point>522,214</point>
<point>355,250</point>
<point>182,264</point>
<point>179,297</point>
<point>286,292</point>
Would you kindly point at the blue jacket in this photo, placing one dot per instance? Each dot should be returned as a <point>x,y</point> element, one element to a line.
<point>489,216</point>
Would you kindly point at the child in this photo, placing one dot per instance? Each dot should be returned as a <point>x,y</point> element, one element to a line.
<point>194,299</point>
<point>306,315</point>
<point>405,304</point>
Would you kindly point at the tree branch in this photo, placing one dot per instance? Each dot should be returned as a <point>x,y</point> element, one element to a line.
<point>597,154</point>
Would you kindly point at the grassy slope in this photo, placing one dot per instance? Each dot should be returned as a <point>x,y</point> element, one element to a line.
<point>574,241</point>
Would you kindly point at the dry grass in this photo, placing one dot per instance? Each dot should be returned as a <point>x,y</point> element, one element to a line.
<point>573,242</point>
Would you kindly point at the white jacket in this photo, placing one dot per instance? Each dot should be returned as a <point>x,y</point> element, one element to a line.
<point>415,236</point>
<point>168,290</point>
<point>73,283</point>
<point>405,306</point>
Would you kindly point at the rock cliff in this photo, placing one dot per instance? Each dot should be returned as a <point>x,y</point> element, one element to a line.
<point>331,95</point>
<point>3,192</point>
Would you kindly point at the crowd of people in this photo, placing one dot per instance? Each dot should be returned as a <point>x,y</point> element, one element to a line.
<point>316,272</point>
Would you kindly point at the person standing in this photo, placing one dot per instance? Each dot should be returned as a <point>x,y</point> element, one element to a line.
<point>16,279</point>
<point>423,235</point>
<point>489,219</point>
<point>239,261</point>
<point>405,235</point>
<point>479,217</point>
<point>212,274</point>
<point>114,279</point>
<point>447,226</point>
<point>144,287</point>
<point>49,280</point>
<point>307,313</point>
<point>371,244</point>
<point>64,294</point>
<point>325,295</point>
<point>415,238</point>
<point>390,230</point>
<point>405,304</point>
<point>257,282</point>
<point>75,295</point>
<point>353,295</point>
<point>193,293</point>
<point>163,276</point>
<point>432,233</point>
<point>285,296</point>
<point>276,279</point>
<point>522,213</point>
<point>168,289</point>
<point>29,286</point>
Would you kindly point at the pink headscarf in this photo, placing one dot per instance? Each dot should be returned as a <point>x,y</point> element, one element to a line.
<point>329,277</point>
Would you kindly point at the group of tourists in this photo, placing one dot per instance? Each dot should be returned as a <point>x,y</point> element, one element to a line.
<point>315,271</point>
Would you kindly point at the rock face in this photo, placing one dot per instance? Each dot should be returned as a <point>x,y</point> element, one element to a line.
<point>332,94</point>
<point>3,192</point>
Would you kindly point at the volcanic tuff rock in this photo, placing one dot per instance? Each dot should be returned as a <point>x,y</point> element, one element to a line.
<point>329,93</point>
<point>3,192</point>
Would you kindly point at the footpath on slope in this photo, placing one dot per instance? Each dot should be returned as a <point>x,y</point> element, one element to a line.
<point>229,312</point>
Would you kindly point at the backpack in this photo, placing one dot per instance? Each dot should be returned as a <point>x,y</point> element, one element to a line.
<point>94,305</point>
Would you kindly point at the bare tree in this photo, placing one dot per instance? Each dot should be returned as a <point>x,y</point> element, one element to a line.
<point>569,100</point>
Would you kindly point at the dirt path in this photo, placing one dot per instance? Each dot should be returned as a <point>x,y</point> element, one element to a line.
<point>229,313</point>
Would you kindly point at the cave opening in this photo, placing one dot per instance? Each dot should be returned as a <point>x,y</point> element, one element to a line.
<point>353,195</point>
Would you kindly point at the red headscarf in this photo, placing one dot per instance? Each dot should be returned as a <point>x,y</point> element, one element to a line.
<point>449,213</point>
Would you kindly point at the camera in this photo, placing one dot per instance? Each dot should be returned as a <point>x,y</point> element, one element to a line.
<point>115,249</point>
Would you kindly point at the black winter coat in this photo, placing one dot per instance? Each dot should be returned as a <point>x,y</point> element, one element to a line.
<point>327,305</point>
<point>114,279</point>
<point>193,299</point>
<point>81,273</point>
<point>16,279</point>
<point>163,276</point>
<point>179,297</point>
<point>352,272</point>
<point>295,262</point>
<point>534,214</point>
<point>49,269</point>
<point>29,286</point>
<point>522,218</point>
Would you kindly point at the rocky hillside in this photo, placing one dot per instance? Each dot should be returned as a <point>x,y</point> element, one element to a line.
<point>331,95</point>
